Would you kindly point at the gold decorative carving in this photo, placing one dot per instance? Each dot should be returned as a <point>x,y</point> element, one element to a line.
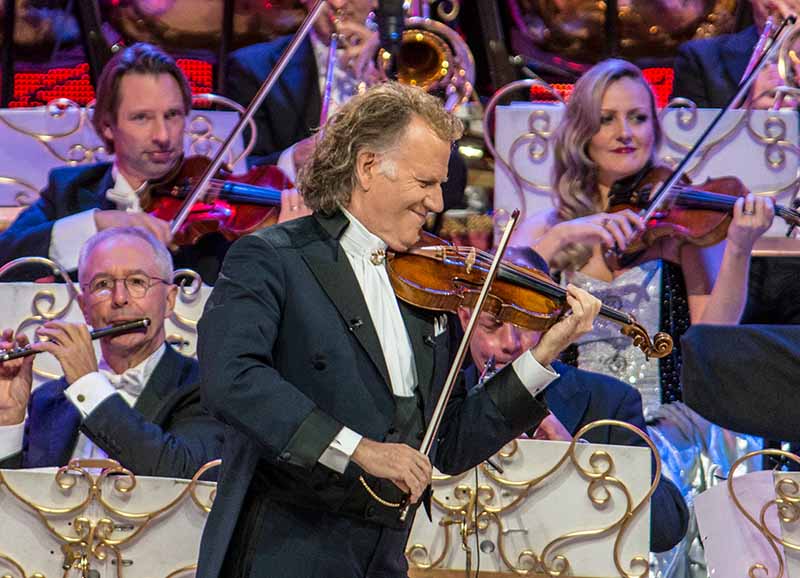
<point>45,307</point>
<point>475,510</point>
<point>787,503</point>
<point>201,130</point>
<point>537,138</point>
<point>771,137</point>
<point>87,538</point>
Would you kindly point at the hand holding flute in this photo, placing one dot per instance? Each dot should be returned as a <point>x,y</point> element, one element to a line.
<point>16,377</point>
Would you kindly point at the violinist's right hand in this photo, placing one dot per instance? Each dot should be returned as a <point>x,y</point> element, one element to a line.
<point>110,219</point>
<point>409,469</point>
<point>16,379</point>
<point>584,308</point>
<point>607,229</point>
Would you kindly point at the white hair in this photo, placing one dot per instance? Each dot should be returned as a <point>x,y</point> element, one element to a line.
<point>163,258</point>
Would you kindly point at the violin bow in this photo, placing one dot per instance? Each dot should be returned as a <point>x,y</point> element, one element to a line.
<point>455,368</point>
<point>781,34</point>
<point>247,115</point>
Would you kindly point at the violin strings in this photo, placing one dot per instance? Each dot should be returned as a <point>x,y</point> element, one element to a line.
<point>553,291</point>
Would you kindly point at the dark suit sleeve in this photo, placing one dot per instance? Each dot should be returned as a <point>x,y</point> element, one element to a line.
<point>188,439</point>
<point>478,425</point>
<point>669,516</point>
<point>240,383</point>
<point>241,84</point>
<point>744,377</point>
<point>29,235</point>
<point>689,81</point>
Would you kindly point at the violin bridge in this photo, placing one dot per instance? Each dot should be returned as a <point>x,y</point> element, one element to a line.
<point>469,260</point>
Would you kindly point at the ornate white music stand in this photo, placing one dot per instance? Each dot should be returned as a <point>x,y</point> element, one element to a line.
<point>580,509</point>
<point>95,519</point>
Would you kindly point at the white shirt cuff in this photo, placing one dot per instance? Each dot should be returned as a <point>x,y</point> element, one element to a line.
<point>337,455</point>
<point>68,236</point>
<point>11,439</point>
<point>533,375</point>
<point>89,391</point>
<point>286,163</point>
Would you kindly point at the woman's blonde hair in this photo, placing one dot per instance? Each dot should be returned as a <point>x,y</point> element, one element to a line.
<point>574,173</point>
<point>375,121</point>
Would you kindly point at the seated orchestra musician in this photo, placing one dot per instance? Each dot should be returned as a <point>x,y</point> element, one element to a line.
<point>139,403</point>
<point>323,376</point>
<point>708,72</point>
<point>143,99</point>
<point>575,398</point>
<point>603,148</point>
<point>291,112</point>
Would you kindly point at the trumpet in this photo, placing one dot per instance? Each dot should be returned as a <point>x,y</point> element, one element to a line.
<point>110,331</point>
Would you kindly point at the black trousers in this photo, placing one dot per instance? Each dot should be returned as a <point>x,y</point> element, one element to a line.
<point>275,540</point>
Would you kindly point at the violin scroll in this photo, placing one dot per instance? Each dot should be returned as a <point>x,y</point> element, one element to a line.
<point>661,346</point>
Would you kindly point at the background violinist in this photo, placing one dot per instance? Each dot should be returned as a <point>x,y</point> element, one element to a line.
<point>324,375</point>
<point>606,141</point>
<point>143,99</point>
<point>708,71</point>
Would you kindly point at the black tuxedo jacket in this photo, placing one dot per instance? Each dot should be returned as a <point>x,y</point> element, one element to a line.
<point>291,110</point>
<point>167,433</point>
<point>71,190</point>
<point>301,358</point>
<point>708,70</point>
<point>744,378</point>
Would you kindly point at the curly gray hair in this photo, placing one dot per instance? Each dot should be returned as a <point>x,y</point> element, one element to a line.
<point>374,121</point>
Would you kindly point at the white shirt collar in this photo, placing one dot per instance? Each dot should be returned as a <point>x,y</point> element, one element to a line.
<point>139,374</point>
<point>358,241</point>
<point>122,193</point>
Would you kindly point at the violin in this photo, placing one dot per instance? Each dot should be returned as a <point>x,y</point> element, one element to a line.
<point>699,215</point>
<point>234,205</point>
<point>442,277</point>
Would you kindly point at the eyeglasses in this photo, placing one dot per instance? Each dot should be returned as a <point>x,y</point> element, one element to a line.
<point>136,285</point>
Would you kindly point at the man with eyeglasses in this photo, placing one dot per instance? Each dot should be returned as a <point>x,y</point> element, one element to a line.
<point>139,404</point>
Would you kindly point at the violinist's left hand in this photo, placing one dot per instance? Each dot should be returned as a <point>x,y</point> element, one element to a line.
<point>752,216</point>
<point>584,308</point>
<point>292,205</point>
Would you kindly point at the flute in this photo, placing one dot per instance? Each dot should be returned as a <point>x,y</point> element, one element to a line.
<point>110,331</point>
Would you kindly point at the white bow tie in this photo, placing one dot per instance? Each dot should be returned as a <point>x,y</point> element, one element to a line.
<point>124,201</point>
<point>131,380</point>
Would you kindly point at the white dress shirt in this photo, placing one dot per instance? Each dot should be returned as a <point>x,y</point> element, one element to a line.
<point>70,233</point>
<point>343,87</point>
<point>358,244</point>
<point>86,394</point>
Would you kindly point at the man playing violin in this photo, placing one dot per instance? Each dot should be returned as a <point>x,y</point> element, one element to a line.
<point>290,114</point>
<point>143,100</point>
<point>323,376</point>
<point>140,403</point>
<point>575,399</point>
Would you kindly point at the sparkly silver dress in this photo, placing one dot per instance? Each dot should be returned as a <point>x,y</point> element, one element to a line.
<point>695,453</point>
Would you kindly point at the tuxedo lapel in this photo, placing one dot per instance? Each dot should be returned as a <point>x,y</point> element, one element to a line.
<point>736,52</point>
<point>566,399</point>
<point>422,344</point>
<point>299,88</point>
<point>95,196</point>
<point>164,380</point>
<point>332,270</point>
<point>52,429</point>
